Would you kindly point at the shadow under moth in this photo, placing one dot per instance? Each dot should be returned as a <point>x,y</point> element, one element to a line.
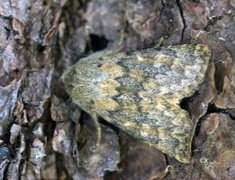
<point>140,92</point>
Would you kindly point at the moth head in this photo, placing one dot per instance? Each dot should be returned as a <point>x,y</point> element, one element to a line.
<point>82,82</point>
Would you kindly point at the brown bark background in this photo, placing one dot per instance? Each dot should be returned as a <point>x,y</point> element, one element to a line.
<point>39,124</point>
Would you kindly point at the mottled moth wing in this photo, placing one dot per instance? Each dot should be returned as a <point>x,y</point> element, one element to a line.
<point>140,92</point>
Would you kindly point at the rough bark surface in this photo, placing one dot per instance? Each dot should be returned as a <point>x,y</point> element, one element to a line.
<point>44,135</point>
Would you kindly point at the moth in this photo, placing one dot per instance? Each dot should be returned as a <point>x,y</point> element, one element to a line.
<point>140,92</point>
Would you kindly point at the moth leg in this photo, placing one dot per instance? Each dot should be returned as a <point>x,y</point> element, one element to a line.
<point>117,46</point>
<point>97,130</point>
<point>123,35</point>
<point>88,141</point>
<point>159,42</point>
<point>90,135</point>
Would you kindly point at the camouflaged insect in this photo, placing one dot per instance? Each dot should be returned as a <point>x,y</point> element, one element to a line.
<point>140,92</point>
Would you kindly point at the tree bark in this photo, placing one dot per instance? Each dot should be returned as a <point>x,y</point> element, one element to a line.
<point>44,135</point>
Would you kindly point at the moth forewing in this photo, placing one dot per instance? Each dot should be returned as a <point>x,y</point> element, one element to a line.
<point>140,92</point>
